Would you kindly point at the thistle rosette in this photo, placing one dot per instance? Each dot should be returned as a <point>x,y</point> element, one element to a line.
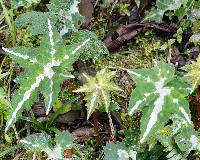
<point>158,94</point>
<point>44,68</point>
<point>98,89</point>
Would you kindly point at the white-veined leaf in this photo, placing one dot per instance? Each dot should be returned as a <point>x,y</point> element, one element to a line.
<point>44,69</point>
<point>118,151</point>
<point>63,11</point>
<point>43,143</point>
<point>158,94</point>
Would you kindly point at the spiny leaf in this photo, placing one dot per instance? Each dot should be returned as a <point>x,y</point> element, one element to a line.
<point>158,94</point>
<point>37,21</point>
<point>98,90</point>
<point>179,138</point>
<point>37,142</point>
<point>156,14</point>
<point>43,142</point>
<point>185,136</point>
<point>64,11</point>
<point>94,49</point>
<point>44,69</point>
<point>118,151</point>
<point>173,153</point>
<point>68,13</point>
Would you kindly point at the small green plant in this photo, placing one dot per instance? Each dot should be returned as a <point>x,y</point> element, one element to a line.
<point>44,69</point>
<point>98,90</point>
<point>124,9</point>
<point>157,13</point>
<point>176,37</point>
<point>180,134</point>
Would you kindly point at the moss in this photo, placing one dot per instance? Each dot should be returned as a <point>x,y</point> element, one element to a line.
<point>89,149</point>
<point>139,53</point>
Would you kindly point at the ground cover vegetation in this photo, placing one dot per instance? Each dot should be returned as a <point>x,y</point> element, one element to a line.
<point>100,79</point>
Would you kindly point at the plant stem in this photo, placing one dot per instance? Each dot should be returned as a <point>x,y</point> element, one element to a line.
<point>111,126</point>
<point>15,131</point>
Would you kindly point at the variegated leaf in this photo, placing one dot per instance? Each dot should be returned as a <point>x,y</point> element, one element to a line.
<point>37,142</point>
<point>98,90</point>
<point>63,11</point>
<point>43,143</point>
<point>158,94</point>
<point>68,14</point>
<point>179,138</point>
<point>45,68</point>
<point>185,136</point>
<point>118,151</point>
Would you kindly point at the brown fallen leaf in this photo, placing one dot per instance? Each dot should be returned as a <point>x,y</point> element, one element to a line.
<point>114,40</point>
<point>83,131</point>
<point>86,9</point>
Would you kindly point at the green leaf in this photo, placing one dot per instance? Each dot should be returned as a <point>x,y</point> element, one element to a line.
<point>158,94</point>
<point>64,140</point>
<point>43,142</point>
<point>64,11</point>
<point>173,153</point>
<point>23,3</point>
<point>94,49</point>
<point>37,142</point>
<point>68,13</point>
<point>185,136</point>
<point>179,138</point>
<point>156,14</point>
<point>37,21</point>
<point>45,68</point>
<point>137,3</point>
<point>98,90</point>
<point>118,151</point>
